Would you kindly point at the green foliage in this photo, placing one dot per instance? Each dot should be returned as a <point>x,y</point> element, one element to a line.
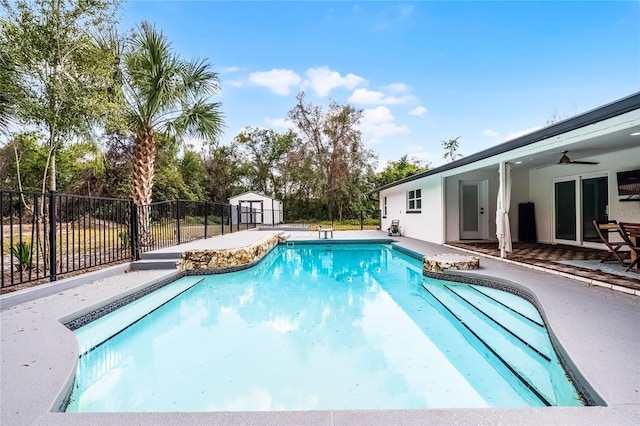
<point>62,73</point>
<point>451,148</point>
<point>22,252</point>
<point>264,154</point>
<point>191,168</point>
<point>221,165</point>
<point>400,169</point>
<point>125,240</point>
<point>22,162</point>
<point>162,93</point>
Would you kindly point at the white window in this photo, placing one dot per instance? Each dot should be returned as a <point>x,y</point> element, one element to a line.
<point>414,200</point>
<point>384,207</point>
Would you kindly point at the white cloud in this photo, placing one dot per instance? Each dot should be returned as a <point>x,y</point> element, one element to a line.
<point>490,133</point>
<point>397,88</point>
<point>279,123</point>
<point>279,81</point>
<point>379,122</point>
<point>406,11</point>
<point>233,83</point>
<point>322,80</point>
<point>230,69</point>
<point>372,97</point>
<point>419,110</point>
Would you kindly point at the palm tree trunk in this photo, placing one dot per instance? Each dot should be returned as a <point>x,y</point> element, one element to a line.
<point>144,157</point>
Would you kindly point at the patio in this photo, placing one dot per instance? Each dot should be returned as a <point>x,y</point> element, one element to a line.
<point>581,262</point>
<point>596,329</point>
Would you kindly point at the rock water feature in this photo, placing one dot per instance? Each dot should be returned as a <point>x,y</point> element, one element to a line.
<point>439,262</point>
<point>222,259</point>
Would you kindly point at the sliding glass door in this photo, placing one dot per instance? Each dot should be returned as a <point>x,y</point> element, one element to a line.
<point>595,205</point>
<point>565,211</point>
<point>577,202</point>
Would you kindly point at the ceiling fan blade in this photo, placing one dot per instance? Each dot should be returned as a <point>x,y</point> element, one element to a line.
<point>584,162</point>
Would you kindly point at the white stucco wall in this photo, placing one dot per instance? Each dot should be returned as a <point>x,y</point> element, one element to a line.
<point>541,188</point>
<point>426,225</point>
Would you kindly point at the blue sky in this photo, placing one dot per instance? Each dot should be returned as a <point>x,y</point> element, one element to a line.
<point>422,72</point>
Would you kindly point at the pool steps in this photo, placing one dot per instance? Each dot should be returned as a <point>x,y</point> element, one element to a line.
<point>156,260</point>
<point>518,343</point>
<point>507,330</point>
<point>96,332</point>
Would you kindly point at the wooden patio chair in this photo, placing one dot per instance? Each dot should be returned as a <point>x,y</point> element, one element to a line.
<point>631,235</point>
<point>604,228</point>
<point>394,229</point>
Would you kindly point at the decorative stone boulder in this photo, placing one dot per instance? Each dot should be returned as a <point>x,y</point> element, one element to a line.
<point>439,262</point>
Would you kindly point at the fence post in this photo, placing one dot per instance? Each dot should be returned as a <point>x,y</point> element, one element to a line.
<point>239,208</point>
<point>379,220</point>
<point>361,220</point>
<point>52,237</point>
<point>206,213</point>
<point>178,220</point>
<point>133,229</point>
<point>221,219</point>
<point>273,214</point>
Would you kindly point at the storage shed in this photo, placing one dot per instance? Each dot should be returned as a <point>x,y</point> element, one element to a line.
<point>257,208</point>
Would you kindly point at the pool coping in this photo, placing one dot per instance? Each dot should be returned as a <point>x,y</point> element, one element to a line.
<point>620,410</point>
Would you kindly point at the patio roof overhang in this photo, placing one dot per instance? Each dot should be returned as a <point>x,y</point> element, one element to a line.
<point>601,130</point>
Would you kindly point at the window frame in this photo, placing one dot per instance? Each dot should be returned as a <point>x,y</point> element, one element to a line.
<point>414,200</point>
<point>384,207</point>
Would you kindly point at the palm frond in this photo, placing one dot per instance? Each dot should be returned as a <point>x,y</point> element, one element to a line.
<point>200,119</point>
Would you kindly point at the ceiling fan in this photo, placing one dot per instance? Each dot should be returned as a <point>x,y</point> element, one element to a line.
<point>566,160</point>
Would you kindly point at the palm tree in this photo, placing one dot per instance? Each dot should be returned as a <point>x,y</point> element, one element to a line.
<point>163,93</point>
<point>7,94</point>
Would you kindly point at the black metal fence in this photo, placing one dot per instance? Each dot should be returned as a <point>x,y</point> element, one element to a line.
<point>349,222</point>
<point>45,236</point>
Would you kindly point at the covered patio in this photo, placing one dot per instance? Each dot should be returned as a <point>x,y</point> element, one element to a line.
<point>578,262</point>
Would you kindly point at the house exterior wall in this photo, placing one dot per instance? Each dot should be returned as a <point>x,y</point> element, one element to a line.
<point>426,225</point>
<point>541,188</point>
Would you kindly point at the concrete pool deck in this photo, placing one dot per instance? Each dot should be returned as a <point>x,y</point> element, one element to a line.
<point>599,330</point>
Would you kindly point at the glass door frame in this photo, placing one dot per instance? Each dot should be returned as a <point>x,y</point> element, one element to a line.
<point>577,179</point>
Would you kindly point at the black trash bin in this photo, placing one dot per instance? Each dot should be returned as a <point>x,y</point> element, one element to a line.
<point>527,223</point>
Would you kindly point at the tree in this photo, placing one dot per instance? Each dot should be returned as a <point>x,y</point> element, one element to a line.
<point>8,82</point>
<point>451,148</point>
<point>163,93</point>
<point>62,73</point>
<point>223,172</point>
<point>21,161</point>
<point>264,152</point>
<point>400,169</point>
<point>333,146</point>
<point>191,168</point>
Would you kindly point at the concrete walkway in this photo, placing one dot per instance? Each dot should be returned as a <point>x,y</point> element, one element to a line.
<point>598,328</point>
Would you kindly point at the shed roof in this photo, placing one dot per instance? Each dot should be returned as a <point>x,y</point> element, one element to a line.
<point>244,194</point>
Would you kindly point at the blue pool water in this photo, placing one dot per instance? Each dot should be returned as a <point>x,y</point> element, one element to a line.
<point>319,327</point>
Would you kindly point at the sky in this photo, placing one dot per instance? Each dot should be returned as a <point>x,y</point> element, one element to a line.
<point>422,71</point>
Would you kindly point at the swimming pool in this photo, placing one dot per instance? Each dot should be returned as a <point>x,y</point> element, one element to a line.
<point>319,327</point>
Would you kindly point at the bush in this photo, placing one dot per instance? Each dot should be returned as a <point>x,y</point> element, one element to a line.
<point>23,254</point>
